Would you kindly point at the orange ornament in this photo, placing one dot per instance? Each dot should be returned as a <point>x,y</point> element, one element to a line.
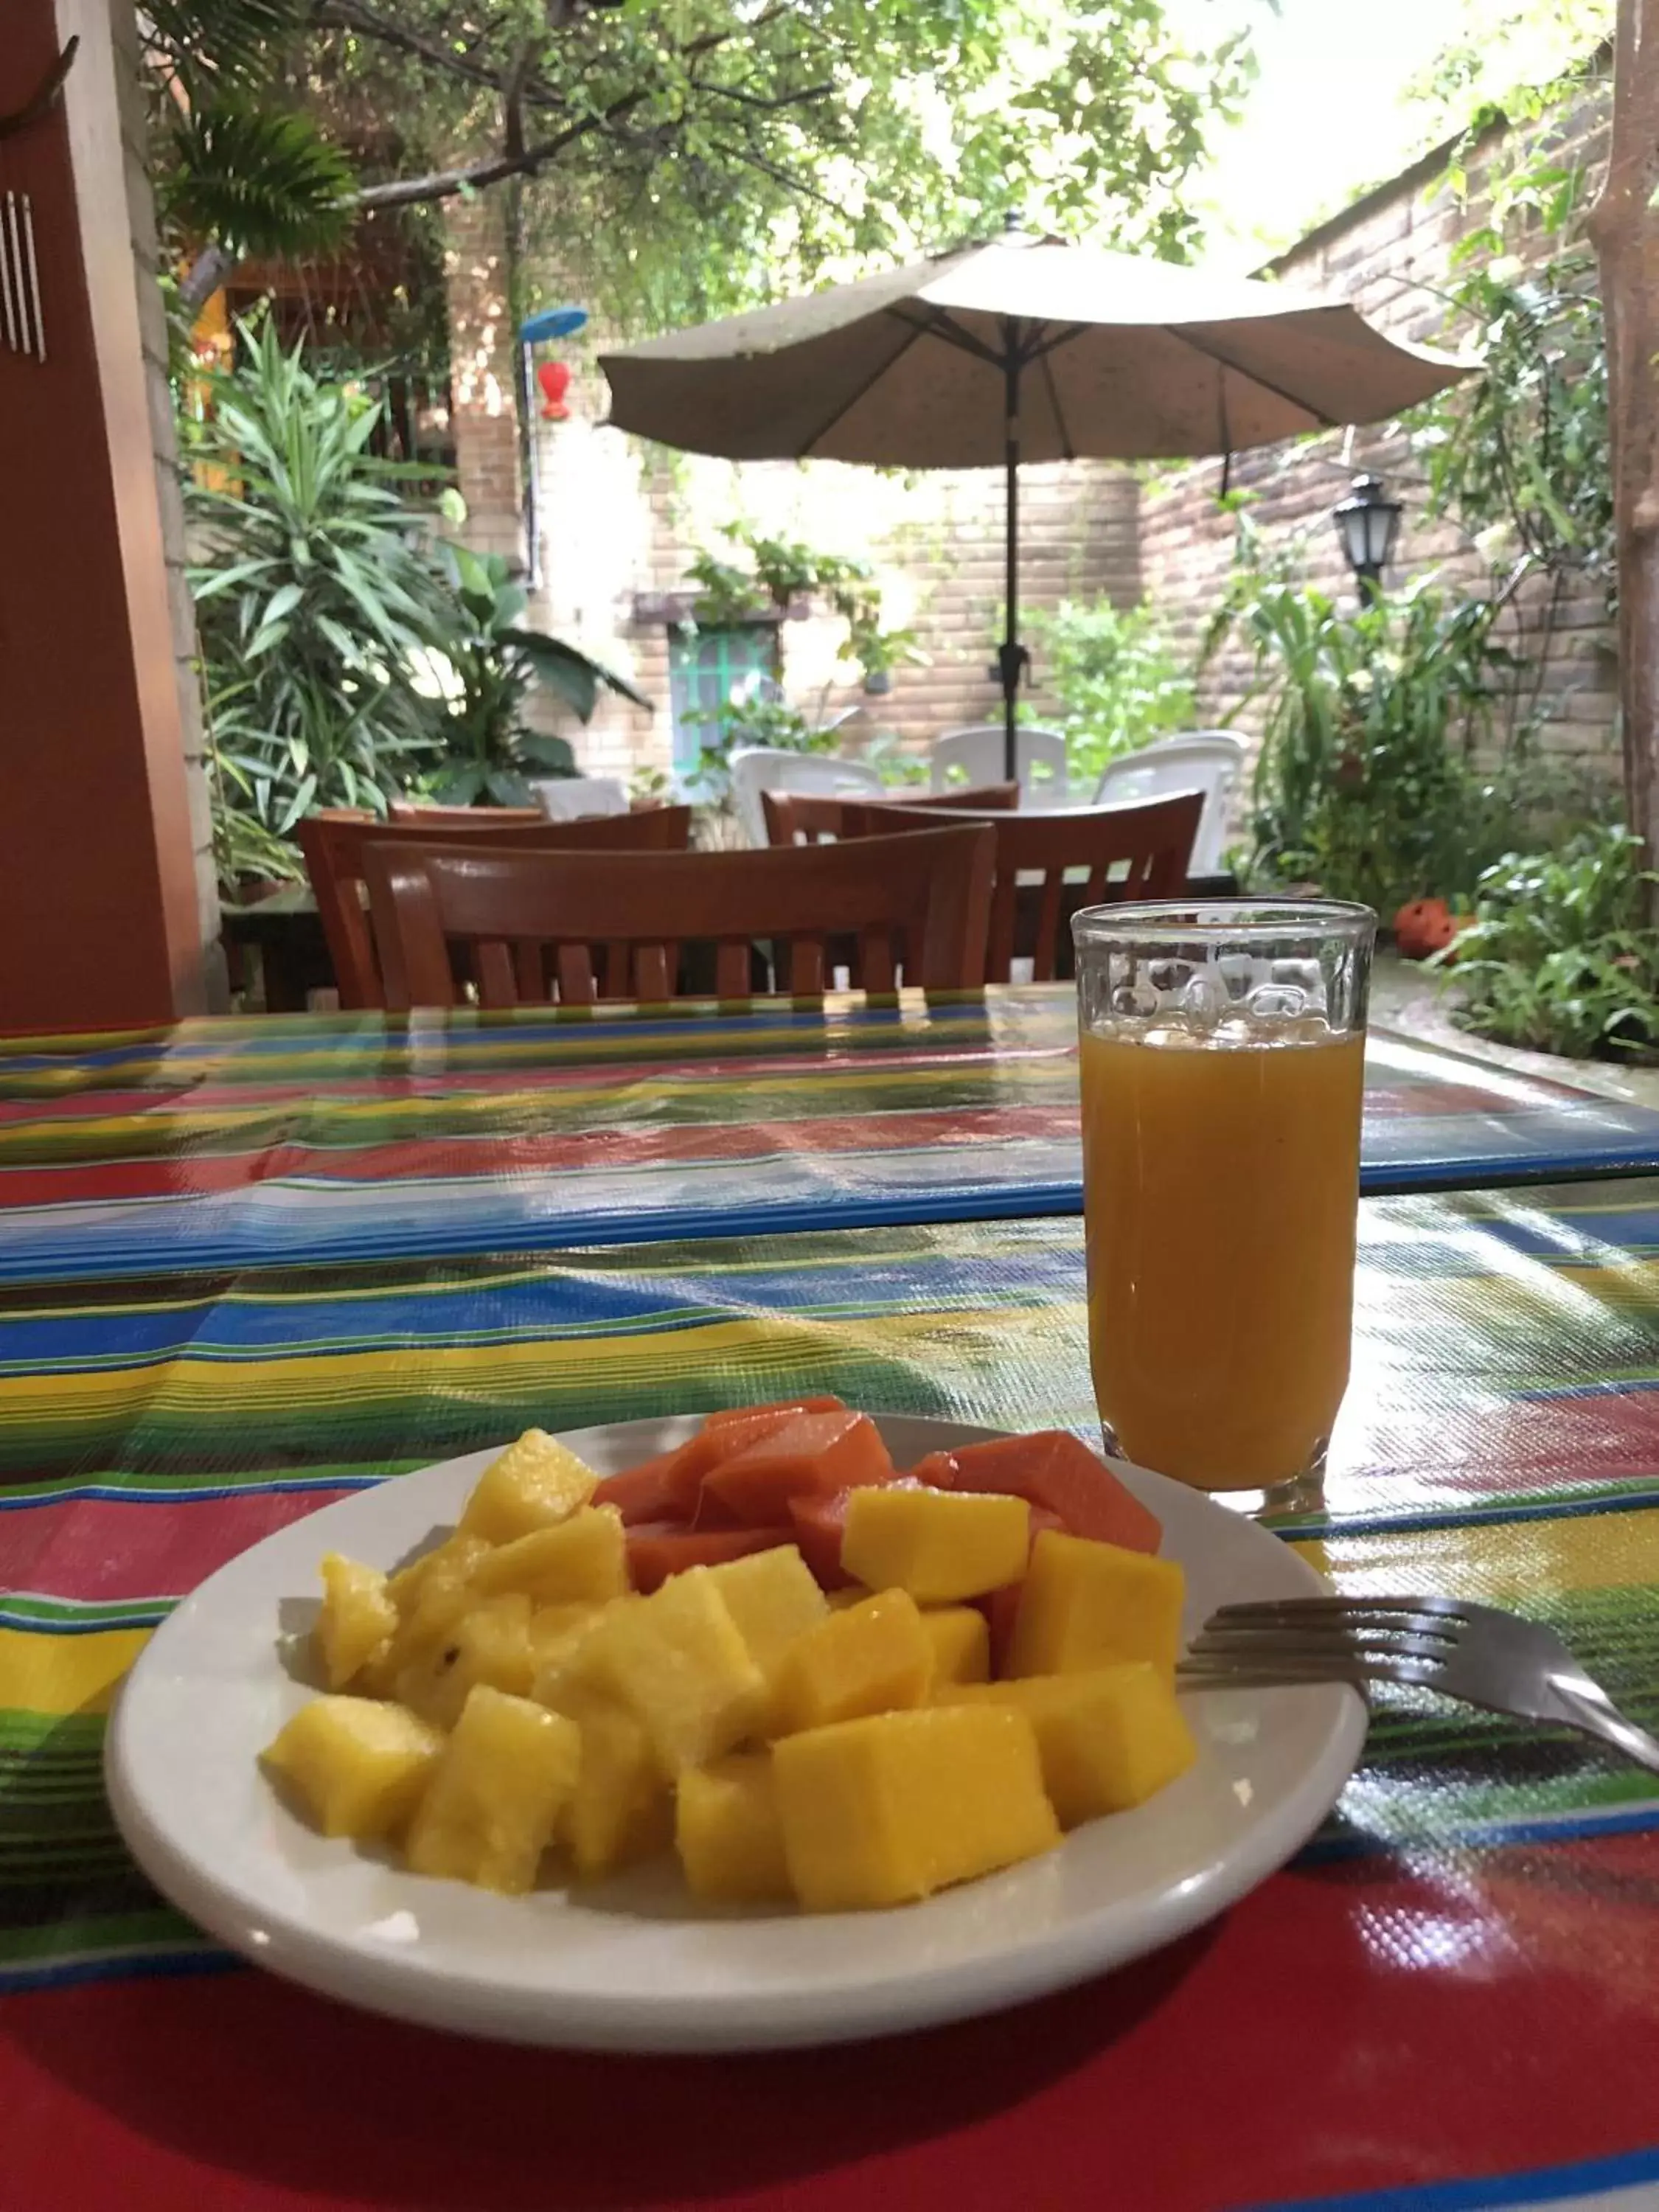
<point>1422,927</point>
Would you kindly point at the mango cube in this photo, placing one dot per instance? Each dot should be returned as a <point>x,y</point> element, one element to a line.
<point>1108,1739</point>
<point>535,1484</point>
<point>496,1793</point>
<point>874,1657</point>
<point>489,1644</point>
<point>619,1811</point>
<point>357,1619</point>
<point>940,1545</point>
<point>728,1832</point>
<point>1085,1605</point>
<point>884,1810</point>
<point>584,1557</point>
<point>676,1661</point>
<point>358,1767</point>
<point>961,1638</point>
<point>773,1597</point>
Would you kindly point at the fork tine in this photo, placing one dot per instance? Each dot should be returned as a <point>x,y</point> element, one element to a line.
<point>1228,1623</point>
<point>1247,1645</point>
<point>1300,1608</point>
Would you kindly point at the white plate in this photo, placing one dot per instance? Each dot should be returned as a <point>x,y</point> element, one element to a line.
<point>632,1964</point>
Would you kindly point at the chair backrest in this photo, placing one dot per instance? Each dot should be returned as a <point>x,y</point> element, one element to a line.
<point>1123,852</point>
<point>529,922</point>
<point>806,817</point>
<point>756,769</point>
<point>415,811</point>
<point>333,847</point>
<point>980,753</point>
<point>1210,761</point>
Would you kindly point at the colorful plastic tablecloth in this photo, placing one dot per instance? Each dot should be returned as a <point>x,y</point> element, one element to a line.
<point>1451,1998</point>
<point>258,1142</point>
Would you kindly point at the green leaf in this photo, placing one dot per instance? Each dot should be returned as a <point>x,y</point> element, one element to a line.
<point>461,786</point>
<point>508,789</point>
<point>259,179</point>
<point>545,751</point>
<point>570,672</point>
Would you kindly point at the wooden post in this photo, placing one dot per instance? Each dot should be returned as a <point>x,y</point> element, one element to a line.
<point>1624,227</point>
<point>99,919</point>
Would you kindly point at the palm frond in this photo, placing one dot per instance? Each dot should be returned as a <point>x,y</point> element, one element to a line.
<point>231,41</point>
<point>259,181</point>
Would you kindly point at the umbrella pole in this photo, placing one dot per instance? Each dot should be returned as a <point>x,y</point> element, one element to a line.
<point>1011,656</point>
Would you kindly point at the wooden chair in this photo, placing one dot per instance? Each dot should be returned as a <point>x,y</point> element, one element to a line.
<point>519,914</point>
<point>417,812</point>
<point>333,847</point>
<point>808,818</point>
<point>1128,852</point>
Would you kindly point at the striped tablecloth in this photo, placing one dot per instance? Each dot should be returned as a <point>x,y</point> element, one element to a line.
<point>258,1142</point>
<point>1459,1979</point>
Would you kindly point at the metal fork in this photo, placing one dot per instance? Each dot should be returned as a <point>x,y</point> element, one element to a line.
<point>1474,1652</point>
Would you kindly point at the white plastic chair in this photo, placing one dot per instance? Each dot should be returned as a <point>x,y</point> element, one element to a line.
<point>1209,761</point>
<point>756,769</point>
<point>980,752</point>
<point>570,798</point>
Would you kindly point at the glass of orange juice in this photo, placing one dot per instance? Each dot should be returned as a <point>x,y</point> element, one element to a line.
<point>1222,1048</point>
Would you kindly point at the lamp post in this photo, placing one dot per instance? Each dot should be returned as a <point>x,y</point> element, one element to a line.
<point>1367,524</point>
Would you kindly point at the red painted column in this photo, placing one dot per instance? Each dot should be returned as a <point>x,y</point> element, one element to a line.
<point>99,922</point>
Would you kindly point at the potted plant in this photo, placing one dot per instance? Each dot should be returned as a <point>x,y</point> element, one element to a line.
<point>491,751</point>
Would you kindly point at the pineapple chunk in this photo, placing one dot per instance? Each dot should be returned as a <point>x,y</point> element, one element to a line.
<point>677,1662</point>
<point>496,1793</point>
<point>887,1810</point>
<point>940,1545</point>
<point>773,1598</point>
<point>358,1768</point>
<point>1086,1604</point>
<point>569,1660</point>
<point>620,1810</point>
<point>726,1827</point>
<point>357,1619</point>
<point>961,1638</point>
<point>549,1625</point>
<point>447,1566</point>
<point>1108,1739</point>
<point>584,1557</point>
<point>872,1658</point>
<point>431,1597</point>
<point>535,1484</point>
<point>491,1643</point>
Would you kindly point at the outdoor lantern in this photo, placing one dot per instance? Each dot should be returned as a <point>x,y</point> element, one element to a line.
<point>1368,522</point>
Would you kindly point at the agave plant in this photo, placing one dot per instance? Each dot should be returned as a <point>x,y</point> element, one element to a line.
<point>317,607</point>
<point>490,748</point>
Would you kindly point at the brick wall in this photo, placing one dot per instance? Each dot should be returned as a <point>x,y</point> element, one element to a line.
<point>1389,252</point>
<point>620,518</point>
<point>153,330</point>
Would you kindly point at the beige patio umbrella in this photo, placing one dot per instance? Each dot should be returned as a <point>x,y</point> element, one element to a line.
<point>1025,349</point>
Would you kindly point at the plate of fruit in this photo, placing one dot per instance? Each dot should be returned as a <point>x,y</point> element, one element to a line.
<point>785,1725</point>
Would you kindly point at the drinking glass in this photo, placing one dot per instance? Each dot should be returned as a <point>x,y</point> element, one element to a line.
<point>1222,1048</point>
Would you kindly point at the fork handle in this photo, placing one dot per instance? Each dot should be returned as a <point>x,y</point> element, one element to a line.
<point>1601,1716</point>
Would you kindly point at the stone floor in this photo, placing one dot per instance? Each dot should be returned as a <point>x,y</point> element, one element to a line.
<point>1419,1001</point>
